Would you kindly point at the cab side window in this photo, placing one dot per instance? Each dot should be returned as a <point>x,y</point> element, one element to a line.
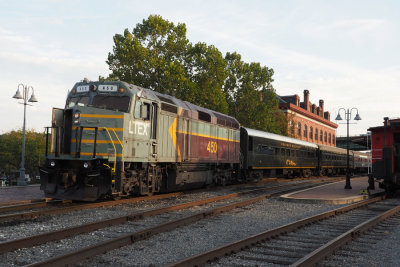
<point>146,111</point>
<point>142,110</point>
<point>138,107</point>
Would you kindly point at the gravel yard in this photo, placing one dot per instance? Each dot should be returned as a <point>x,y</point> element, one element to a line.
<point>182,242</point>
<point>209,233</point>
<point>163,248</point>
<point>11,231</point>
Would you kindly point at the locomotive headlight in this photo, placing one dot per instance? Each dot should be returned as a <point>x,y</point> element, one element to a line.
<point>77,115</point>
<point>52,164</point>
<point>85,165</point>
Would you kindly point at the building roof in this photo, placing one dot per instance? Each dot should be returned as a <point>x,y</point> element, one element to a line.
<point>304,112</point>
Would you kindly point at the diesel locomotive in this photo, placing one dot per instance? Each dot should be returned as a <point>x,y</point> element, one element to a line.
<point>113,138</point>
<point>118,138</point>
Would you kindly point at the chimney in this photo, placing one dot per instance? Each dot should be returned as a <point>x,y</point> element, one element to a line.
<point>321,107</point>
<point>314,108</point>
<point>306,100</point>
<point>297,100</point>
<point>327,115</point>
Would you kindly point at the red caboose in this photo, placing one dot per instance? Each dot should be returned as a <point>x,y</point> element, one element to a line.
<point>386,154</point>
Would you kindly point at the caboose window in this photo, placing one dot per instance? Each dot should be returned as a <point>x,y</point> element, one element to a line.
<point>117,103</point>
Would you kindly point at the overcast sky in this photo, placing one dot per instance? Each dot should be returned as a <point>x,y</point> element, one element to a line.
<point>345,52</point>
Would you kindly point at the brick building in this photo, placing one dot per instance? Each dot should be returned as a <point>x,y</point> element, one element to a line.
<point>308,121</point>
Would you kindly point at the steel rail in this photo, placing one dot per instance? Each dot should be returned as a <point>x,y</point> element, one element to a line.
<point>328,249</point>
<point>32,205</point>
<point>226,250</point>
<point>80,229</point>
<point>127,239</point>
<point>35,214</point>
<point>20,202</point>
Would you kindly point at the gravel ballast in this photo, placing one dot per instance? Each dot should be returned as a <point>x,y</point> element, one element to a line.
<point>167,247</point>
<point>209,233</point>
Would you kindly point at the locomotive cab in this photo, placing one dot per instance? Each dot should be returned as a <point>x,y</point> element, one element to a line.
<point>80,164</point>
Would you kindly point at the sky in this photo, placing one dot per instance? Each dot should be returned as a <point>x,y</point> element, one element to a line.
<point>344,52</point>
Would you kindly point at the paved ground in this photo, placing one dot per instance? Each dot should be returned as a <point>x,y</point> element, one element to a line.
<point>16,193</point>
<point>335,193</point>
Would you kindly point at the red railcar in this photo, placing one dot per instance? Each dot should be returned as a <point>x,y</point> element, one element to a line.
<point>386,154</point>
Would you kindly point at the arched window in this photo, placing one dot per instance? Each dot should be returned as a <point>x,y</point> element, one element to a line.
<point>316,135</point>
<point>291,127</point>
<point>333,139</point>
<point>299,129</point>
<point>329,138</point>
<point>325,137</point>
<point>320,135</point>
<point>311,132</point>
<point>305,131</point>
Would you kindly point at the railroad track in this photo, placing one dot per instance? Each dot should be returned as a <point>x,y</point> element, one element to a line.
<point>129,238</point>
<point>363,246</point>
<point>302,243</point>
<point>10,211</point>
<point>20,202</point>
<point>74,207</point>
<point>30,205</point>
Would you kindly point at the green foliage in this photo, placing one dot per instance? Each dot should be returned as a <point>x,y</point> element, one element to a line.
<point>11,149</point>
<point>206,70</point>
<point>152,56</point>
<point>251,97</point>
<point>157,55</point>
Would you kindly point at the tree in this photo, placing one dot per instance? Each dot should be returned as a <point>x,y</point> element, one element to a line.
<point>157,55</point>
<point>251,97</point>
<point>152,56</point>
<point>206,70</point>
<point>11,149</point>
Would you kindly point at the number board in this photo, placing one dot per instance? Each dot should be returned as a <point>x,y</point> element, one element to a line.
<point>108,88</point>
<point>82,88</point>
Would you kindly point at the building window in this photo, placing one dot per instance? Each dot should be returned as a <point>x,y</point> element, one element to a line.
<point>291,127</point>
<point>333,139</point>
<point>325,137</point>
<point>320,135</point>
<point>311,132</point>
<point>316,134</point>
<point>299,129</point>
<point>329,138</point>
<point>305,131</point>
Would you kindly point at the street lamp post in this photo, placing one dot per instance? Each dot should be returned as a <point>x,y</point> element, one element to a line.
<point>347,116</point>
<point>24,96</point>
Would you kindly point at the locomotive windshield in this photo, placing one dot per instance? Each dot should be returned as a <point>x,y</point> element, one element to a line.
<point>117,103</point>
<point>78,101</point>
